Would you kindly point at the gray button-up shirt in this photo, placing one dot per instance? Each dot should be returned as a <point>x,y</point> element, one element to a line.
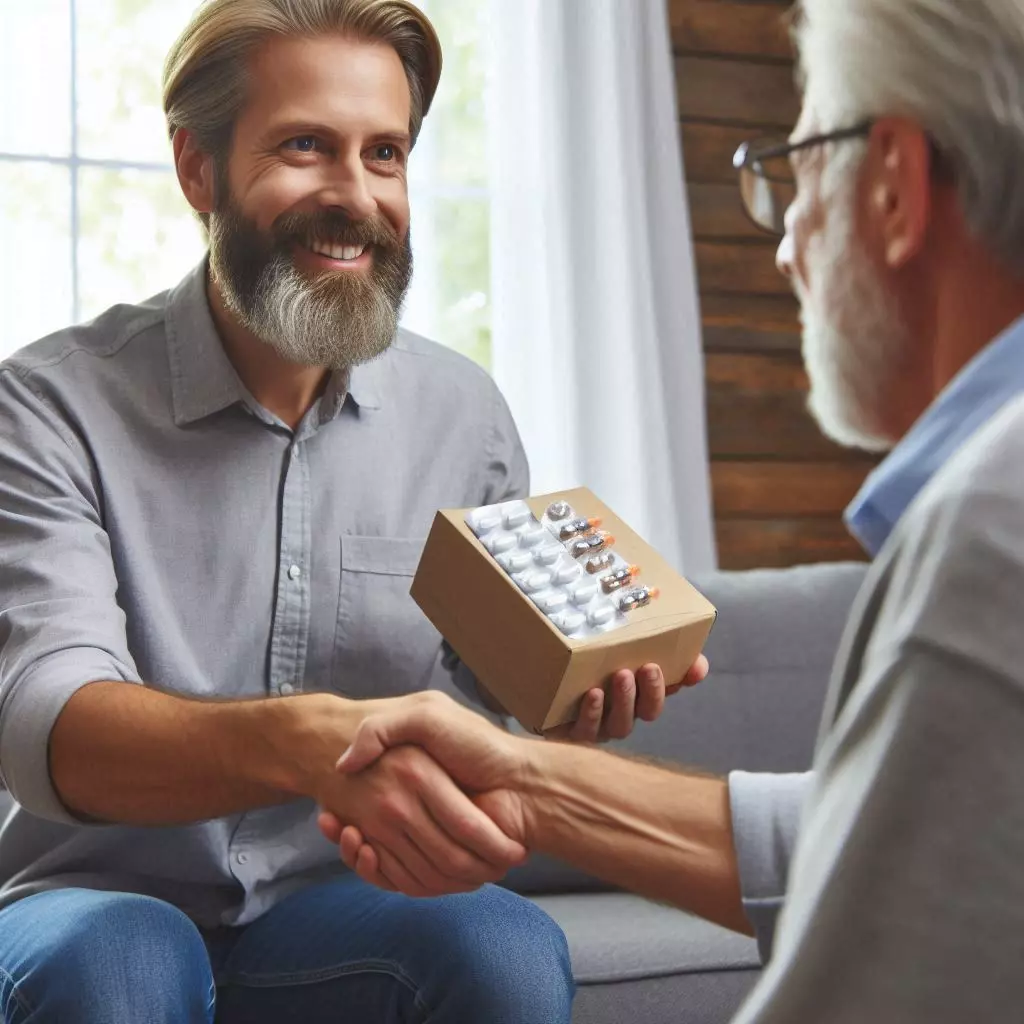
<point>158,526</point>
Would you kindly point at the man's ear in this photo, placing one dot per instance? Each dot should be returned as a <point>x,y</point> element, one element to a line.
<point>900,188</point>
<point>196,172</point>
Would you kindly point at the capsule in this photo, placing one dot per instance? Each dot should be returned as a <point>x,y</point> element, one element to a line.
<point>559,510</point>
<point>591,545</point>
<point>549,555</point>
<point>568,622</point>
<point>568,573</point>
<point>532,536</point>
<point>577,527</point>
<point>640,597</point>
<point>483,520</point>
<point>600,562</point>
<point>515,561</point>
<point>601,615</point>
<point>619,579</point>
<point>552,601</point>
<point>583,593</point>
<point>536,581</point>
<point>518,516</point>
<point>499,543</point>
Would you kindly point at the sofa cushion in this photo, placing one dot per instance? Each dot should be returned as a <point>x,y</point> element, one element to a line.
<point>637,960</point>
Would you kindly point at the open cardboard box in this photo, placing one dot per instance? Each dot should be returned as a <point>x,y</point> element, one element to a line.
<point>528,666</point>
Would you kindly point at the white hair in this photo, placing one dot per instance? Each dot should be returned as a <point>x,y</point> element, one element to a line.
<point>955,67</point>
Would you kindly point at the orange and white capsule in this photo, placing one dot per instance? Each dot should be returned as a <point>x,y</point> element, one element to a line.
<point>591,545</point>
<point>619,579</point>
<point>578,527</point>
<point>640,597</point>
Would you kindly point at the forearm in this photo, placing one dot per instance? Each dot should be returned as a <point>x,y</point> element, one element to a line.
<point>662,834</point>
<point>129,754</point>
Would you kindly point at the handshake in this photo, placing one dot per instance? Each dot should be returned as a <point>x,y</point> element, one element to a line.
<point>437,800</point>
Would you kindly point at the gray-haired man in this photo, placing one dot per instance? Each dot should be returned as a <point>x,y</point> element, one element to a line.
<point>905,243</point>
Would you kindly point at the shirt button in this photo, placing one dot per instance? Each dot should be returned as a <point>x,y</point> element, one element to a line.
<point>286,689</point>
<point>242,858</point>
<point>294,572</point>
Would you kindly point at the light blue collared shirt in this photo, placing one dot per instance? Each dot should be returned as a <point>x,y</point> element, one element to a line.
<point>990,380</point>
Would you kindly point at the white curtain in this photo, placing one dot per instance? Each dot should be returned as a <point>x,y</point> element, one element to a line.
<point>596,321</point>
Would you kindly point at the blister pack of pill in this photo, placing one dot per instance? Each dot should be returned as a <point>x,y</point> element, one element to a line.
<point>564,563</point>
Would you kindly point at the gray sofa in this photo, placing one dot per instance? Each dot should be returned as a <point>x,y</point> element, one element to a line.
<point>771,652</point>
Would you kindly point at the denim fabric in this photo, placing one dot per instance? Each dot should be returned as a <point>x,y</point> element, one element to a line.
<point>340,951</point>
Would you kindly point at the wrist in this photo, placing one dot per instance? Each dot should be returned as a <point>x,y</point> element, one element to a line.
<point>307,735</point>
<point>532,782</point>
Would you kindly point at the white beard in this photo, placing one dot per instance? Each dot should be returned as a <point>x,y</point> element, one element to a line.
<point>854,341</point>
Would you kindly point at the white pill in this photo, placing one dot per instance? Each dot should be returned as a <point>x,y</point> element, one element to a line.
<point>549,555</point>
<point>584,593</point>
<point>552,601</point>
<point>531,538</point>
<point>483,521</point>
<point>536,581</point>
<point>568,573</point>
<point>499,542</point>
<point>601,615</point>
<point>568,622</point>
<point>515,561</point>
<point>517,516</point>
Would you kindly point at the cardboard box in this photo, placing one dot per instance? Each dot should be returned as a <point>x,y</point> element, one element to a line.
<point>531,669</point>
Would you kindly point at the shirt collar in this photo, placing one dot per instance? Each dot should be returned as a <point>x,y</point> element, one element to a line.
<point>204,382</point>
<point>969,401</point>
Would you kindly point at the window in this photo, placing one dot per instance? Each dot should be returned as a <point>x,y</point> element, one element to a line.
<point>90,211</point>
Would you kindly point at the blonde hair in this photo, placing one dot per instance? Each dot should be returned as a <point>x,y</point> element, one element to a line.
<point>205,74</point>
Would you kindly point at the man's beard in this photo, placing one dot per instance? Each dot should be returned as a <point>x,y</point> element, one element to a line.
<point>854,340</point>
<point>333,319</point>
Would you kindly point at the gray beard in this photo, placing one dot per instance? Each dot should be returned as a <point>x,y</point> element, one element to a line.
<point>309,322</point>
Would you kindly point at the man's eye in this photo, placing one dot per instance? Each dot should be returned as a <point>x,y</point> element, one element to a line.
<point>384,153</point>
<point>302,144</point>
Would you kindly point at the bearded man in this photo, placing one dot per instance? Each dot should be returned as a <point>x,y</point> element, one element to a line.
<point>211,507</point>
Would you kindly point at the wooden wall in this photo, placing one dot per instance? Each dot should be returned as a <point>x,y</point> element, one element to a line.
<point>779,487</point>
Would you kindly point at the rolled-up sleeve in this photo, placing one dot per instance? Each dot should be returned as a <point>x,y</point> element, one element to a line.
<point>60,623</point>
<point>766,810</point>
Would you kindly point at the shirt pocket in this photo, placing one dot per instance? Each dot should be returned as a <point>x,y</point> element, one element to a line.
<point>384,645</point>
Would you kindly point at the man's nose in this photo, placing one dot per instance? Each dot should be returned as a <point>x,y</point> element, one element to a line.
<point>784,255</point>
<point>347,189</point>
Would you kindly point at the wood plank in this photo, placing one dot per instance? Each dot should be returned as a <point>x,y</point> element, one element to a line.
<point>749,426</point>
<point>756,373</point>
<point>748,339</point>
<point>757,408</point>
<point>778,313</point>
<point>777,543</point>
<point>716,212</point>
<point>717,26</point>
<point>734,267</point>
<point>708,150</point>
<point>764,489</point>
<point>719,89</point>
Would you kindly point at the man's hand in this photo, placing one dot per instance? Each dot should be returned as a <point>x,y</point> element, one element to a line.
<point>482,759</point>
<point>641,696</point>
<point>428,838</point>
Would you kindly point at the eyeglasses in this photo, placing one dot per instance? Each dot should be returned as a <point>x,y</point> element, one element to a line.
<point>766,174</point>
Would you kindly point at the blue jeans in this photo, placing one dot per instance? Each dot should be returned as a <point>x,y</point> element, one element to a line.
<point>337,953</point>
